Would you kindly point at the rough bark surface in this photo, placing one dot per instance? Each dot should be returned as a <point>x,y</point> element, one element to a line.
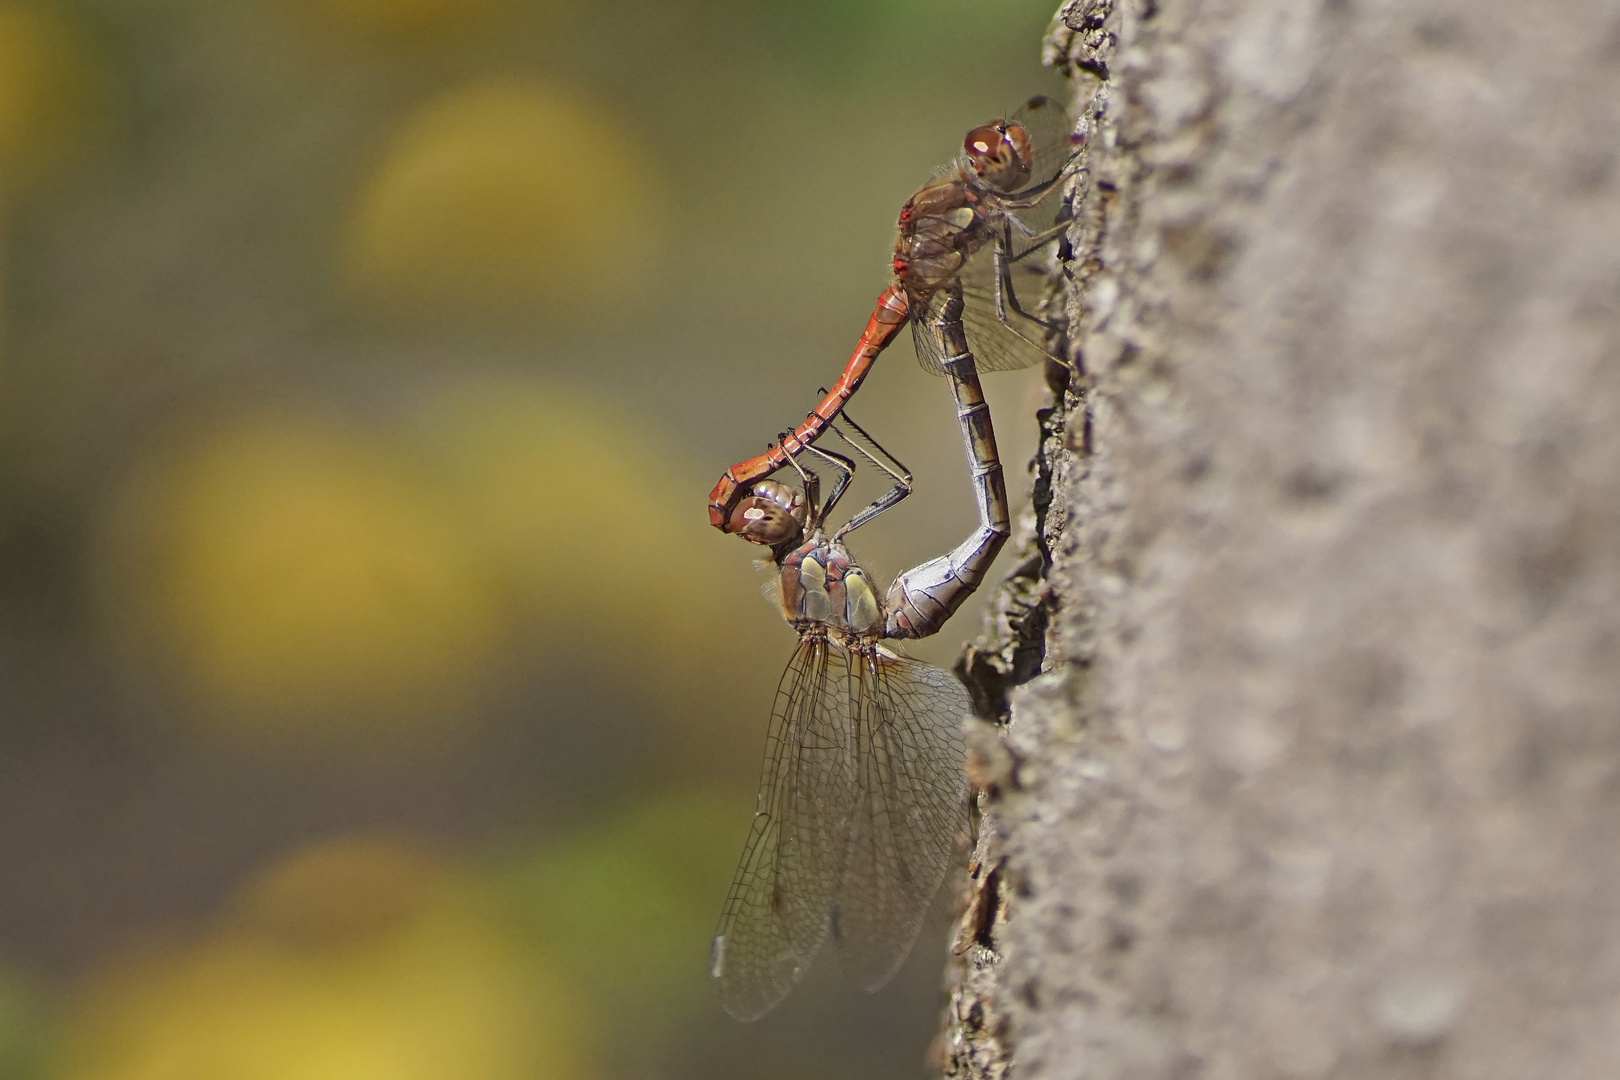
<point>1315,771</point>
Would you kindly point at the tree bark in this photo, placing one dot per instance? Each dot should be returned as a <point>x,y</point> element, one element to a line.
<point>1314,770</point>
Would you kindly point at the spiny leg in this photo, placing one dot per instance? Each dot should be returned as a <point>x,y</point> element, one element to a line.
<point>899,466</point>
<point>1033,196</point>
<point>846,472</point>
<point>900,475</point>
<point>1037,240</point>
<point>810,481</point>
<point>1006,297</point>
<point>901,488</point>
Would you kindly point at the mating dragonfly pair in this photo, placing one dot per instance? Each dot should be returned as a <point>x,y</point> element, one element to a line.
<point>862,795</point>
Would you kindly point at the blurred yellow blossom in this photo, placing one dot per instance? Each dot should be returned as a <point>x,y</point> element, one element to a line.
<point>394,18</point>
<point>606,545</point>
<point>342,890</point>
<point>574,498</point>
<point>504,197</point>
<point>439,989</point>
<point>306,576</point>
<point>311,581</point>
<point>48,88</point>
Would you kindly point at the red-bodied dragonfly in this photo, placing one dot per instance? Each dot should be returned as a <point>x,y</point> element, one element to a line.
<point>862,794</point>
<point>967,235</point>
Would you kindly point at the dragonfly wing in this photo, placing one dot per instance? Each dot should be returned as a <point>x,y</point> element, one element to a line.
<point>902,838</point>
<point>926,345</point>
<point>1056,146</point>
<point>1017,342</point>
<point>776,913</point>
<point>1051,132</point>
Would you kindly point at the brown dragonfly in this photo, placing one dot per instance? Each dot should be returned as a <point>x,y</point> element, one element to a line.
<point>967,235</point>
<point>861,799</point>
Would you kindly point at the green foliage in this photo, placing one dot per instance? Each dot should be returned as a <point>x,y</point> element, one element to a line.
<point>23,1026</point>
<point>628,906</point>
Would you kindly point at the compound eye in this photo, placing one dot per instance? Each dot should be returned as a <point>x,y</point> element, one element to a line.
<point>982,144</point>
<point>763,521</point>
<point>779,493</point>
<point>1000,153</point>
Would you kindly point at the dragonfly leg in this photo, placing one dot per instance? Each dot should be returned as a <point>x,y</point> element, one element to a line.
<point>1031,197</point>
<point>924,597</point>
<point>810,482</point>
<point>846,472</point>
<point>899,467</point>
<point>890,313</point>
<point>901,488</point>
<point>1037,240</point>
<point>1006,297</point>
<point>899,474</point>
<point>1034,195</point>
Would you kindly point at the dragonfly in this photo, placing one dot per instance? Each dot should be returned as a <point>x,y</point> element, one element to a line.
<point>967,235</point>
<point>861,797</point>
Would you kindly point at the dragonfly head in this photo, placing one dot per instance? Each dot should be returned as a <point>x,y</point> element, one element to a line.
<point>774,515</point>
<point>1001,154</point>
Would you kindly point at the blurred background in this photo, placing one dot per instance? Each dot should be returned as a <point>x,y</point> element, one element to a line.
<point>375,701</point>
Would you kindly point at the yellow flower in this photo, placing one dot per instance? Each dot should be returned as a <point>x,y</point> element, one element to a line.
<point>505,197</point>
<point>48,87</point>
<point>424,985</point>
<point>305,577</point>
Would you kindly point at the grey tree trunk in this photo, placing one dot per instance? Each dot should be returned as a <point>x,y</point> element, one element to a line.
<point>1315,771</point>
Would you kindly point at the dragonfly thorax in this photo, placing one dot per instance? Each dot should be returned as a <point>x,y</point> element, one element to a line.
<point>822,586</point>
<point>940,227</point>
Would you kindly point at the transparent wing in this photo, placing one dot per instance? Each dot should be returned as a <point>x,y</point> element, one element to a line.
<point>923,342</point>
<point>1051,134</point>
<point>997,345</point>
<point>1051,131</point>
<point>902,837</point>
<point>1019,342</point>
<point>775,916</point>
<point>1001,339</point>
